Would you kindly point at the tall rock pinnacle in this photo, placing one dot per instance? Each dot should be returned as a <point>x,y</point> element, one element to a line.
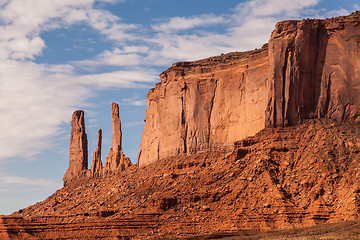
<point>97,167</point>
<point>78,148</point>
<point>116,128</point>
<point>116,161</point>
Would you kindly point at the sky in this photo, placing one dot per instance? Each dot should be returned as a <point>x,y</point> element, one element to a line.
<point>57,56</point>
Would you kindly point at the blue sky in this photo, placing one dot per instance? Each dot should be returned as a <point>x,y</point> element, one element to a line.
<point>57,56</point>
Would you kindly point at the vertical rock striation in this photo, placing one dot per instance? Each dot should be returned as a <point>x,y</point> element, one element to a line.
<point>205,104</point>
<point>97,167</point>
<point>310,69</point>
<point>315,71</point>
<point>78,162</point>
<point>116,160</point>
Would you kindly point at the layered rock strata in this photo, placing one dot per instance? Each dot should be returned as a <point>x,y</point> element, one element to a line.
<point>309,69</point>
<point>280,178</point>
<point>78,164</point>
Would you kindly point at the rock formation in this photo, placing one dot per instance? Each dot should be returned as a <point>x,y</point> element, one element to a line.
<point>290,177</point>
<point>198,105</point>
<point>97,167</point>
<point>78,162</point>
<point>315,71</point>
<point>303,172</point>
<point>116,160</point>
<point>78,166</point>
<point>309,69</point>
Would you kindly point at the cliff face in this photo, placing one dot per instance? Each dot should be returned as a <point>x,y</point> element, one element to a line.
<point>315,71</point>
<point>204,104</point>
<point>311,68</point>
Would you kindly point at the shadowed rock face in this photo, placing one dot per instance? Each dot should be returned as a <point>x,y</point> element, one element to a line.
<point>78,162</point>
<point>310,69</point>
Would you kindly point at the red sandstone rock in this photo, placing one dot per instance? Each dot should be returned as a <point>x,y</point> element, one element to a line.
<point>206,103</point>
<point>280,178</point>
<point>310,69</point>
<point>116,160</point>
<point>314,71</point>
<point>78,148</point>
<point>289,177</point>
<point>97,167</point>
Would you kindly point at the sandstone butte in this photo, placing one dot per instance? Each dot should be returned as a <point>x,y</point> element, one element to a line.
<point>309,69</point>
<point>234,146</point>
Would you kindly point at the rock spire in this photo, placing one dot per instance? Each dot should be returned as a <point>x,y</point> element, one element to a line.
<point>116,160</point>
<point>97,167</point>
<point>78,162</point>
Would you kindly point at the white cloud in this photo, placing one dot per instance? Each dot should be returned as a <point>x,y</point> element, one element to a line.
<point>134,101</point>
<point>264,8</point>
<point>120,79</point>
<point>116,57</point>
<point>38,99</point>
<point>248,27</point>
<point>131,124</point>
<point>20,27</point>
<point>182,23</point>
<point>337,12</point>
<point>34,101</point>
<point>19,192</point>
<point>11,182</point>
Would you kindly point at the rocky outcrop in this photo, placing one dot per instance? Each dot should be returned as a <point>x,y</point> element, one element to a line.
<point>315,71</point>
<point>199,105</point>
<point>289,177</point>
<point>96,166</point>
<point>116,160</point>
<point>78,162</point>
<point>310,69</point>
<point>78,166</point>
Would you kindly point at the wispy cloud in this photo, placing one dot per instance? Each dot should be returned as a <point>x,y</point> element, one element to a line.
<point>134,101</point>
<point>116,57</point>
<point>184,23</point>
<point>19,192</point>
<point>9,182</point>
<point>35,99</point>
